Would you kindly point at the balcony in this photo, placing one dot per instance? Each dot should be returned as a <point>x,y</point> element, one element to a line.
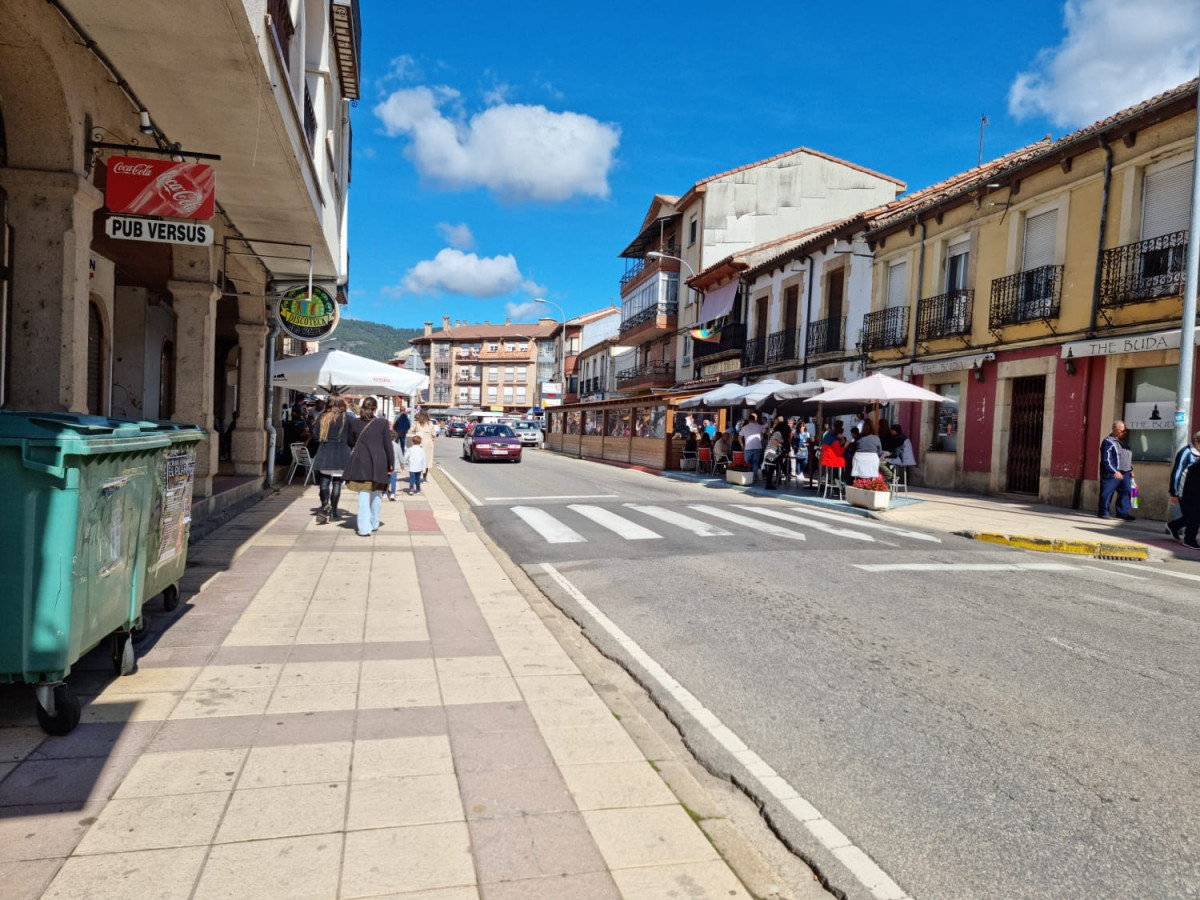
<point>826,336</point>
<point>885,329</point>
<point>732,338</point>
<point>754,353</point>
<point>651,321</point>
<point>783,346</point>
<point>946,315</point>
<point>1145,271</point>
<point>647,375</point>
<point>1026,297</point>
<point>283,27</point>
<point>635,268</point>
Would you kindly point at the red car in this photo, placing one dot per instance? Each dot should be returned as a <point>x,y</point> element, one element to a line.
<point>487,441</point>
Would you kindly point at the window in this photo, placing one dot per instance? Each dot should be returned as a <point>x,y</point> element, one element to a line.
<point>946,422</point>
<point>508,396</point>
<point>897,284</point>
<point>573,346</point>
<point>509,348</point>
<point>957,257</point>
<point>693,228</point>
<point>687,349</point>
<point>492,394</point>
<point>618,422</point>
<point>521,396</point>
<point>1166,197</point>
<point>522,348</point>
<point>493,374</point>
<point>1037,287</point>
<point>509,373</point>
<point>474,395</point>
<point>462,395</point>
<point>1149,412</point>
<point>522,374</point>
<point>492,348</point>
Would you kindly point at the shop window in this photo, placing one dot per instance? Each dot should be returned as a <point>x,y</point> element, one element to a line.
<point>946,418</point>
<point>618,422</point>
<point>1149,412</point>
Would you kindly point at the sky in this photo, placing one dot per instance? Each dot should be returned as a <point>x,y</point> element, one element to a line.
<point>505,152</point>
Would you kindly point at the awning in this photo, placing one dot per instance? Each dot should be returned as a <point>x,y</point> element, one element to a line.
<point>718,302</point>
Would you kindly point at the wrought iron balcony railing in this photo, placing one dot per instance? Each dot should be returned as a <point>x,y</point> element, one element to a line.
<point>946,315</point>
<point>826,336</point>
<point>1147,270</point>
<point>1026,296</point>
<point>649,313</point>
<point>783,346</point>
<point>733,336</point>
<point>647,370</point>
<point>885,328</point>
<point>754,352</point>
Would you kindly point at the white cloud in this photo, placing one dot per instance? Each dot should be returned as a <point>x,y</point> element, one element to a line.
<point>529,311</point>
<point>457,236</point>
<point>454,272</point>
<point>520,152</point>
<point>1116,53</point>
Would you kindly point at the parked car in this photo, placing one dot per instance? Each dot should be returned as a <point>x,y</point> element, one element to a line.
<point>487,441</point>
<point>456,429</point>
<point>530,433</point>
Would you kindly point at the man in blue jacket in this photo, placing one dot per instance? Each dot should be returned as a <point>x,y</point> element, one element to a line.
<point>401,427</point>
<point>1187,456</point>
<point>1116,473</point>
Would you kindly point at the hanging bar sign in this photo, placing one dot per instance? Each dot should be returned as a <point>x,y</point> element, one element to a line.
<point>307,318</point>
<point>129,228</point>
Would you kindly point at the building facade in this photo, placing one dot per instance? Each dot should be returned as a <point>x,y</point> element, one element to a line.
<point>100,324</point>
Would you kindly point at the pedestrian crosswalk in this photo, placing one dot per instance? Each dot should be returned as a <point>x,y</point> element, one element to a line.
<point>649,522</point>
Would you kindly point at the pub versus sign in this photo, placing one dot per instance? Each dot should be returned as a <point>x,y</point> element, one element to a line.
<point>307,318</point>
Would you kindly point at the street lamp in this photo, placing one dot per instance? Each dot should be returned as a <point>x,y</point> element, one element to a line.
<point>562,384</point>
<point>655,254</point>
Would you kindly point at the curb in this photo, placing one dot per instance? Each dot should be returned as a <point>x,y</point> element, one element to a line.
<point>1097,549</point>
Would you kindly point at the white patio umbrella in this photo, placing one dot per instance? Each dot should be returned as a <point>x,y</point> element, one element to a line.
<point>801,391</point>
<point>336,371</point>
<point>722,395</point>
<point>877,389</point>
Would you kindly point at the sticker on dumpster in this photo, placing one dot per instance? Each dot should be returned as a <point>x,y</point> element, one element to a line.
<point>174,507</point>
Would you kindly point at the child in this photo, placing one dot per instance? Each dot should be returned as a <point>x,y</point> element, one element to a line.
<point>414,460</point>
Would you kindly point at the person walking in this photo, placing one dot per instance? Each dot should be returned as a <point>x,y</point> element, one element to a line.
<point>414,460</point>
<point>1187,456</point>
<point>333,435</point>
<point>1116,473</point>
<point>776,454</point>
<point>401,426</point>
<point>372,460</point>
<point>428,432</point>
<point>1189,502</point>
<point>752,438</point>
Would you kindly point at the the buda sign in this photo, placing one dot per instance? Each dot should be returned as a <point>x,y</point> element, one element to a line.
<point>1130,343</point>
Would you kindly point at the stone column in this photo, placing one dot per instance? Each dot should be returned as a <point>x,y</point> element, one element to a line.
<point>250,437</point>
<point>51,215</point>
<point>195,349</point>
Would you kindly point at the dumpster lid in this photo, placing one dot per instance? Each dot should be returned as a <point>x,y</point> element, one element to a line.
<point>68,427</point>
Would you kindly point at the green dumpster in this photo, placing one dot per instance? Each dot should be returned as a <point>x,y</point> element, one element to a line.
<point>74,519</point>
<point>171,513</point>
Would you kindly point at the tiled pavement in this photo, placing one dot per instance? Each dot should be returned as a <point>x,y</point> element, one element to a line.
<point>332,716</point>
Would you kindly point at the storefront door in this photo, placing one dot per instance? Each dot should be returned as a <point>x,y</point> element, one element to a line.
<point>1025,434</point>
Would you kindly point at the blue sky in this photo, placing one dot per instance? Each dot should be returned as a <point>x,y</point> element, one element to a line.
<point>507,151</point>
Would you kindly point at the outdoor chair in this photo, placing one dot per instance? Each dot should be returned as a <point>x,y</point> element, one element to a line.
<point>300,459</point>
<point>831,482</point>
<point>688,461</point>
<point>899,480</point>
<point>739,458</point>
<point>705,461</point>
<point>720,464</point>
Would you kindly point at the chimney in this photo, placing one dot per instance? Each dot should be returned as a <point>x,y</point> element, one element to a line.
<point>445,323</point>
<point>507,320</point>
<point>428,329</point>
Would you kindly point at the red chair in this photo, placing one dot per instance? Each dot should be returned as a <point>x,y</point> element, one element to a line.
<point>706,459</point>
<point>739,458</point>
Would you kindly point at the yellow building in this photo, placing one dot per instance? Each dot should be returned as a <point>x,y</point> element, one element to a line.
<point>1045,292</point>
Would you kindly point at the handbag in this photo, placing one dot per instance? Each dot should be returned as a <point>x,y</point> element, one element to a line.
<point>772,454</point>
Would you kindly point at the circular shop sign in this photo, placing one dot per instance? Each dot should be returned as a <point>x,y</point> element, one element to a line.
<point>307,318</point>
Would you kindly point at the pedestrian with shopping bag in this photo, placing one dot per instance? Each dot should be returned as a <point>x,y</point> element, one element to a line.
<point>372,461</point>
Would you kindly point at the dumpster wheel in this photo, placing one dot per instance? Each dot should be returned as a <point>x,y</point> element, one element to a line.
<point>63,714</point>
<point>123,659</point>
<point>170,597</point>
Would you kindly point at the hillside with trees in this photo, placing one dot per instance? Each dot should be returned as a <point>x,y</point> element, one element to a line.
<point>370,339</point>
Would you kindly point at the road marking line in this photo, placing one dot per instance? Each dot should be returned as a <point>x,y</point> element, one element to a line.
<point>1159,571</point>
<point>605,518</point>
<point>698,527</point>
<point>808,523</point>
<point>756,524</point>
<point>560,497</point>
<point>859,863</point>
<point>1108,572</point>
<point>864,522</point>
<point>968,567</point>
<point>554,531</point>
<point>471,498</point>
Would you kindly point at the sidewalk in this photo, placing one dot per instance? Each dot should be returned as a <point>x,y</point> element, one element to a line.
<point>326,716</point>
<point>1005,520</point>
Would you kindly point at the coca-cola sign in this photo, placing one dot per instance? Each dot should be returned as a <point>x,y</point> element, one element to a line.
<point>160,187</point>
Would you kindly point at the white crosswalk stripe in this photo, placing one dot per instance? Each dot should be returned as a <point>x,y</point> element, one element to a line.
<point>810,523</point>
<point>554,531</point>
<point>748,522</point>
<point>863,522</point>
<point>698,527</point>
<point>631,531</point>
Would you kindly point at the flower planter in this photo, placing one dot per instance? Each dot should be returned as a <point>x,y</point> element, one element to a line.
<point>743,478</point>
<point>868,499</point>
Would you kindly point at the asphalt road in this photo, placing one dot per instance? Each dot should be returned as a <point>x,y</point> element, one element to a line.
<point>979,722</point>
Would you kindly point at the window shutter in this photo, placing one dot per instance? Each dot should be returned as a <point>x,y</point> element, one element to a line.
<point>896,284</point>
<point>1166,201</point>
<point>1039,240</point>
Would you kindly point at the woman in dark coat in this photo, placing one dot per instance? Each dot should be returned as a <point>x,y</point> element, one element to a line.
<point>371,463</point>
<point>333,433</point>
